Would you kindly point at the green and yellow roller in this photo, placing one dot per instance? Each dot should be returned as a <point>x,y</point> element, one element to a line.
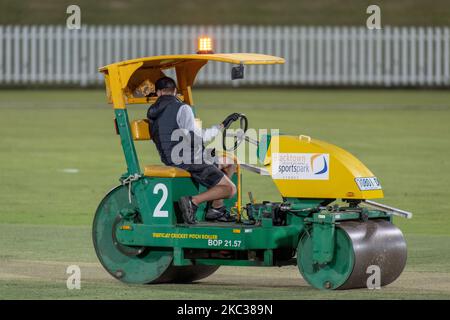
<point>325,222</point>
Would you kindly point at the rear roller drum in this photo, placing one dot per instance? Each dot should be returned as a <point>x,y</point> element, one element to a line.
<point>135,264</point>
<point>358,245</point>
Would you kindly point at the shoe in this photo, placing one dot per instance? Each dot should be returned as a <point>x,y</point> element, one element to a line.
<point>188,209</point>
<point>219,214</point>
<point>227,217</point>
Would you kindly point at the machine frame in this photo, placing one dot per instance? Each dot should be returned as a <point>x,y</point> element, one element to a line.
<point>140,217</point>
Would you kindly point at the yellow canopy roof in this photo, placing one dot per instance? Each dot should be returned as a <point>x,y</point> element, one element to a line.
<point>123,78</point>
<point>169,61</point>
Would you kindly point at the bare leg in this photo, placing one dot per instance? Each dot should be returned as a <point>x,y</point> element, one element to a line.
<point>224,189</point>
<point>229,170</point>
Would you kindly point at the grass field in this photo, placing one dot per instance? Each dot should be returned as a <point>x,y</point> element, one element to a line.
<point>206,12</point>
<point>46,209</point>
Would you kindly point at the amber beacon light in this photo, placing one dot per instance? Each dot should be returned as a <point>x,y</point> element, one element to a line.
<point>204,45</point>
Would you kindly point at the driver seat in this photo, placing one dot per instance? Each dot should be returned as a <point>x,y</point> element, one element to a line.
<point>140,130</point>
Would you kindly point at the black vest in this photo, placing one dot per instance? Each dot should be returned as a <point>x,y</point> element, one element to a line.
<point>163,121</point>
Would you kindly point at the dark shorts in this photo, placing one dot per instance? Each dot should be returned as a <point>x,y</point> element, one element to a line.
<point>207,175</point>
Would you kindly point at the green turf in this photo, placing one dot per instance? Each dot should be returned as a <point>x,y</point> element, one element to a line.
<point>40,256</point>
<point>202,12</point>
<point>402,136</point>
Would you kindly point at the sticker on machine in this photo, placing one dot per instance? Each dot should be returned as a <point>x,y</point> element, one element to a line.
<point>300,166</point>
<point>370,183</point>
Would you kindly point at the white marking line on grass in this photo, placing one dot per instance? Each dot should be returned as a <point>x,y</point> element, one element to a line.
<point>70,170</point>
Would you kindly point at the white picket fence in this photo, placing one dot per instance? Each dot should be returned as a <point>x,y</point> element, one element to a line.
<point>316,56</point>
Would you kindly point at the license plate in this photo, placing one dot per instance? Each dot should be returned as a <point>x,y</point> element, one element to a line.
<point>370,183</point>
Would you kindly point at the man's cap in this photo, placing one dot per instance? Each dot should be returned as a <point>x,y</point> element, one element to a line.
<point>165,83</point>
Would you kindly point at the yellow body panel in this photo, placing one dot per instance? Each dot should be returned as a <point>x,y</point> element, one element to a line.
<point>343,168</point>
<point>165,171</point>
<point>114,86</point>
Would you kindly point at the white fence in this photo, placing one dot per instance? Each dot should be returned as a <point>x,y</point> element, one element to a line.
<point>319,56</point>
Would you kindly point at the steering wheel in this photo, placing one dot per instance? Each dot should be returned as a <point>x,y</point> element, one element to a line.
<point>239,135</point>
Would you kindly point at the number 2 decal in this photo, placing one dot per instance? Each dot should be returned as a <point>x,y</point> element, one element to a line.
<point>158,212</point>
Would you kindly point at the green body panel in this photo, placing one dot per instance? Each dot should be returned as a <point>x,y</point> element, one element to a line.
<point>235,263</point>
<point>157,199</point>
<point>336,271</point>
<point>323,243</point>
<point>123,125</point>
<point>206,236</point>
<point>238,236</point>
<point>263,146</point>
<point>303,204</point>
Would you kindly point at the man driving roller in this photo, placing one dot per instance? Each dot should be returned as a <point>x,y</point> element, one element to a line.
<point>169,114</point>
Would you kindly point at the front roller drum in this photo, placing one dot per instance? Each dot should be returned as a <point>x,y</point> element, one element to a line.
<point>135,264</point>
<point>358,245</point>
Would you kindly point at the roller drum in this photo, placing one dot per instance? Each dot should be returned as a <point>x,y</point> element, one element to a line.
<point>358,245</point>
<point>375,243</point>
<point>136,264</point>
